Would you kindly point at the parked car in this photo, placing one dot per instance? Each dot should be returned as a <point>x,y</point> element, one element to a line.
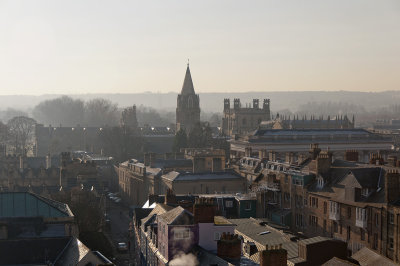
<point>122,247</point>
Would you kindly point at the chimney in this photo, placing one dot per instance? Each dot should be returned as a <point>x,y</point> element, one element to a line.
<point>204,210</point>
<point>314,151</point>
<point>152,159</point>
<point>392,185</point>
<point>247,152</point>
<point>323,162</point>
<point>289,157</point>
<point>262,154</point>
<point>376,158</point>
<point>48,161</point>
<point>170,197</point>
<point>274,255</point>
<point>392,160</point>
<point>272,156</point>
<point>146,159</point>
<point>229,247</point>
<point>351,156</point>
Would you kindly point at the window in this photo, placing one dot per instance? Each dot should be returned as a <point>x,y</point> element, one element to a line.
<point>244,121</point>
<point>229,204</point>
<point>181,233</point>
<point>349,212</point>
<point>324,225</point>
<point>313,220</point>
<point>299,220</point>
<point>217,236</point>
<point>314,202</point>
<point>247,206</point>
<point>362,234</point>
<point>325,207</point>
<point>391,218</point>
<point>287,196</point>
<point>364,192</point>
<point>286,179</point>
<point>335,227</point>
<point>376,219</point>
<point>390,243</point>
<point>320,182</point>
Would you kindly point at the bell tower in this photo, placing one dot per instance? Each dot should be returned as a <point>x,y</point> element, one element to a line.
<point>188,105</point>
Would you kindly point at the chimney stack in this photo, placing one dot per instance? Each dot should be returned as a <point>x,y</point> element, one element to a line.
<point>274,255</point>
<point>392,185</point>
<point>262,154</point>
<point>229,247</point>
<point>204,210</point>
<point>170,197</point>
<point>351,156</point>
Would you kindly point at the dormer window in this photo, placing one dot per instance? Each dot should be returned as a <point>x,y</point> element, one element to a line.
<point>365,192</point>
<point>320,182</point>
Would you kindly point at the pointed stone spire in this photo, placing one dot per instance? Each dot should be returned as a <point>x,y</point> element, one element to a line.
<point>187,87</point>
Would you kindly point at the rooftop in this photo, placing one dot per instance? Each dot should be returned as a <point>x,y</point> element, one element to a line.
<point>176,176</point>
<point>26,204</point>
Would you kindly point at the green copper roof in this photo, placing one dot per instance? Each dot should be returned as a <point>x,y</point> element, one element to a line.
<point>25,204</point>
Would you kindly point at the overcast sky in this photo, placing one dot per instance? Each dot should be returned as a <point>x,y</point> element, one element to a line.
<point>135,46</point>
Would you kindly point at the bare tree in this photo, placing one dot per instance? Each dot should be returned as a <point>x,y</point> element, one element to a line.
<point>63,110</point>
<point>21,132</point>
<point>101,112</point>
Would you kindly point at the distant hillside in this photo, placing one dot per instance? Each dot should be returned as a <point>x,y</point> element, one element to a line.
<point>213,102</point>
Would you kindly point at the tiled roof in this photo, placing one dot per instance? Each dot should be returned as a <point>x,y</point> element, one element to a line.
<point>337,262</point>
<point>368,257</point>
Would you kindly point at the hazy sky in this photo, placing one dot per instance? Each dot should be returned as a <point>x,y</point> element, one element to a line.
<point>135,46</point>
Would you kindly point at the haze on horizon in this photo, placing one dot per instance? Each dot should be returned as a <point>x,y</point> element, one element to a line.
<point>75,47</point>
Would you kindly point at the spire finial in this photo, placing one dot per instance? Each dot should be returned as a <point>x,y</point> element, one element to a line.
<point>188,62</point>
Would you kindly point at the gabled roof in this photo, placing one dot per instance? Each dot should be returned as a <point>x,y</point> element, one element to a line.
<point>187,87</point>
<point>177,216</point>
<point>158,210</point>
<point>364,177</point>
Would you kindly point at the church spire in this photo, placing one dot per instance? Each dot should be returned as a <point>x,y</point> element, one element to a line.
<point>187,87</point>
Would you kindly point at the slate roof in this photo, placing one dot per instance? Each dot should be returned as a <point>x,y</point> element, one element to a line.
<point>159,209</point>
<point>368,257</point>
<point>177,216</point>
<point>187,87</point>
<point>252,229</point>
<point>176,176</point>
<point>367,177</point>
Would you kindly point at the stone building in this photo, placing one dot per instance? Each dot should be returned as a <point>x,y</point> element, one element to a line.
<point>298,141</point>
<point>206,160</point>
<point>241,120</point>
<point>188,105</point>
<point>346,200</point>
<point>288,122</point>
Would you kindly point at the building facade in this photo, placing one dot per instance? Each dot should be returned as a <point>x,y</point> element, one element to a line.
<point>242,120</point>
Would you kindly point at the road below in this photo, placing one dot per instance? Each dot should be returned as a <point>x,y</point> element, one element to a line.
<point>118,232</point>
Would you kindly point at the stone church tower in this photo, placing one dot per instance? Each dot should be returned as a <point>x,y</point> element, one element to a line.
<point>188,105</point>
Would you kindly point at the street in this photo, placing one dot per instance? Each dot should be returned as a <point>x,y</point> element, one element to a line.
<point>119,220</point>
